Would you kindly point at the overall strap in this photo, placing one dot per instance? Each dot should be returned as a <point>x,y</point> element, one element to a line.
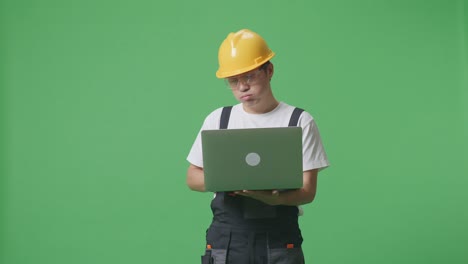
<point>223,124</point>
<point>295,116</point>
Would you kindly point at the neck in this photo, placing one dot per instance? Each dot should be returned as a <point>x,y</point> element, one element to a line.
<point>261,108</point>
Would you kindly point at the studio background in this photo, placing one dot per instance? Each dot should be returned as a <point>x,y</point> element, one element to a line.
<point>100,102</point>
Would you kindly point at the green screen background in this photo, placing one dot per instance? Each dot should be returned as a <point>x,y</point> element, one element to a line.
<point>100,102</point>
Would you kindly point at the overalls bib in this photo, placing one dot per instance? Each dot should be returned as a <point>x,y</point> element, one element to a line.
<point>247,231</point>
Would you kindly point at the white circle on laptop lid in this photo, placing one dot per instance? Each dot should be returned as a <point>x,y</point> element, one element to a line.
<point>253,159</point>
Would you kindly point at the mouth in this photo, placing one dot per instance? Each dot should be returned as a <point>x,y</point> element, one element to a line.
<point>246,97</point>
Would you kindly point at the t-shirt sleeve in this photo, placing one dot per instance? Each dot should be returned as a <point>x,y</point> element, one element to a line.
<point>314,155</point>
<point>195,155</point>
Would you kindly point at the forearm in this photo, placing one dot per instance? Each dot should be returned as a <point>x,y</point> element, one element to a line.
<point>296,197</point>
<point>195,178</point>
<point>300,196</point>
<point>304,195</point>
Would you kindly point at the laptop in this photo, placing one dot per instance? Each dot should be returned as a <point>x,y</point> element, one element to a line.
<point>252,159</point>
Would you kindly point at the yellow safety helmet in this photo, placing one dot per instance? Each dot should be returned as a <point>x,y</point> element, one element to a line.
<point>241,52</point>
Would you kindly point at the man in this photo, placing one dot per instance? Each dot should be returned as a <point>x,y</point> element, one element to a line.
<point>239,233</point>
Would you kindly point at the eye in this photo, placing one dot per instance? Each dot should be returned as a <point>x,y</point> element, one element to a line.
<point>249,77</point>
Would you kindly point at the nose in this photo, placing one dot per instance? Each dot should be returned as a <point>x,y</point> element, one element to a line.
<point>243,87</point>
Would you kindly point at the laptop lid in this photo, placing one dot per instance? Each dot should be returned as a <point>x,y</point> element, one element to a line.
<point>252,159</point>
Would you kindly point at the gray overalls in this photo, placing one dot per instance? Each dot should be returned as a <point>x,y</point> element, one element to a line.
<point>247,231</point>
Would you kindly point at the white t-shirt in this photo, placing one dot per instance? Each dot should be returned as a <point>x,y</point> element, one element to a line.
<point>314,156</point>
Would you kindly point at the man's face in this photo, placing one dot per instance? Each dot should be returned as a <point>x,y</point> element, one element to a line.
<point>250,87</point>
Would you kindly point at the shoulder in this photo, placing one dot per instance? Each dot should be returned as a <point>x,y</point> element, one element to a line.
<point>215,113</point>
<point>304,118</point>
<point>213,118</point>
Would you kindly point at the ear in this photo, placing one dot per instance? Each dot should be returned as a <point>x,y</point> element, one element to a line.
<point>270,71</point>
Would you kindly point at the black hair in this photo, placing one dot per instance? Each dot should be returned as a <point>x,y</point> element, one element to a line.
<point>265,65</point>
